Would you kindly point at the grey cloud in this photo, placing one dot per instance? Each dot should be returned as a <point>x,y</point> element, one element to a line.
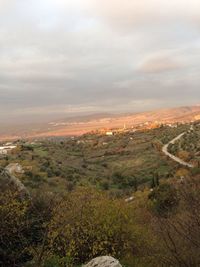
<point>97,55</point>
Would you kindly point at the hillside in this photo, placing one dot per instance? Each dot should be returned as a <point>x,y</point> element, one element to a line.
<point>75,126</point>
<point>98,195</point>
<point>81,125</point>
<point>118,163</point>
<point>188,147</point>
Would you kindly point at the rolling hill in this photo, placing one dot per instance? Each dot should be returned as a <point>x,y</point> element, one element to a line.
<point>83,124</point>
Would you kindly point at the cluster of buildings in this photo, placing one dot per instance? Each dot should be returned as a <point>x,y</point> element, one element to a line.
<point>141,126</point>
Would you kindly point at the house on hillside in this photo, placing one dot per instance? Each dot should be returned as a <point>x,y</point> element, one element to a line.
<point>4,150</point>
<point>109,133</point>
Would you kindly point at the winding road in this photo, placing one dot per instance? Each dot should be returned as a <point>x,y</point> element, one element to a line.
<point>178,160</point>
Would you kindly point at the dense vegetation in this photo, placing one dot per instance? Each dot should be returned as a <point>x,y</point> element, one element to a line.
<point>153,230</point>
<point>118,163</point>
<point>77,209</point>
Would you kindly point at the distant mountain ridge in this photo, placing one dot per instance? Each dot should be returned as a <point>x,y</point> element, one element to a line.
<point>179,113</point>
<point>82,124</point>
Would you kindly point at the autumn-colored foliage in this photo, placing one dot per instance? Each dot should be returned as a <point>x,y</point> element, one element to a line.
<point>14,244</point>
<point>159,228</point>
<point>88,224</point>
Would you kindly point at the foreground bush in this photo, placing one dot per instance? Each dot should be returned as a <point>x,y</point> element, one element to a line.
<point>14,244</point>
<point>179,233</point>
<point>87,224</point>
<point>161,228</point>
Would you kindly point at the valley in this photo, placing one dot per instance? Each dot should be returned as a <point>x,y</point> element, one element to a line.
<point>76,126</point>
<point>100,193</point>
<point>120,163</point>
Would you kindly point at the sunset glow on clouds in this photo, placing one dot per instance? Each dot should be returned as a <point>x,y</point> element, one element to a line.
<point>68,56</point>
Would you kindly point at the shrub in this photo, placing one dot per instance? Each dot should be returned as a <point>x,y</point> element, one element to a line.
<point>89,224</point>
<point>164,199</point>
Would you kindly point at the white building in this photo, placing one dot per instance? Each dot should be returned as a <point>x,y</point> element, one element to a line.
<point>5,149</point>
<point>109,133</point>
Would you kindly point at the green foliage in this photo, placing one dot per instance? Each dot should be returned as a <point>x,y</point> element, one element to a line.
<point>68,221</point>
<point>164,199</point>
<point>155,180</point>
<point>55,231</point>
<point>179,234</point>
<point>55,261</point>
<point>188,147</point>
<point>95,160</point>
<point>123,181</point>
<point>14,244</point>
<point>195,171</point>
<point>88,224</point>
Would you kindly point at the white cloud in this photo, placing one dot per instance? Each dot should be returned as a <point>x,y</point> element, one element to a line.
<point>126,13</point>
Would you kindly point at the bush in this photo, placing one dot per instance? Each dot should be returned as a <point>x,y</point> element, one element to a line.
<point>164,199</point>
<point>14,243</point>
<point>89,224</point>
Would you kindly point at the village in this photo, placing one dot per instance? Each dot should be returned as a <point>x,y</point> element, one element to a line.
<point>148,125</point>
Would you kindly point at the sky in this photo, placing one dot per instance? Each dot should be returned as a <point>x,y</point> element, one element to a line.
<point>64,57</point>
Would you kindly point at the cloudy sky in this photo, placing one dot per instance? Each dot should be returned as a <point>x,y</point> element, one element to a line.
<point>62,57</point>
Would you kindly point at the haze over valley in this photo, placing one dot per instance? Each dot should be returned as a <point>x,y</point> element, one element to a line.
<point>78,125</point>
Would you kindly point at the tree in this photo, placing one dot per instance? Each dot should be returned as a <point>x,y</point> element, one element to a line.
<point>180,233</point>
<point>184,155</point>
<point>14,244</point>
<point>164,199</point>
<point>87,224</point>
